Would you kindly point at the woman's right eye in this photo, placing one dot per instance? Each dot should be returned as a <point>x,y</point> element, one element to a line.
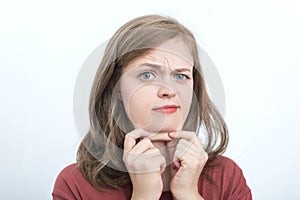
<point>147,75</point>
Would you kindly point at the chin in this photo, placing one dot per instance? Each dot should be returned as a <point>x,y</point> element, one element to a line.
<point>160,125</point>
<point>163,129</point>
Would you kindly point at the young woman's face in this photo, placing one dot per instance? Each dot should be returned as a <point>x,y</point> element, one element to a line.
<point>157,89</point>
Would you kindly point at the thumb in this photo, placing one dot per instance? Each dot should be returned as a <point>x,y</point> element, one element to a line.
<point>171,146</point>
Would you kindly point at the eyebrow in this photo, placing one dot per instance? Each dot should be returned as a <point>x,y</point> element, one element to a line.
<point>161,66</point>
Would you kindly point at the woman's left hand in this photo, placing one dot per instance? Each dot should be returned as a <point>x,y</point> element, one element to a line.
<point>189,159</point>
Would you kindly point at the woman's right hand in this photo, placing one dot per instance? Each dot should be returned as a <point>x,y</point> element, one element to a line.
<point>145,165</point>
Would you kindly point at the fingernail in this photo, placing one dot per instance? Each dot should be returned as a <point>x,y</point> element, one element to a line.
<point>171,134</point>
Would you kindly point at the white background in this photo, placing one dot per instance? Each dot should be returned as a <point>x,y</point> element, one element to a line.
<point>255,46</point>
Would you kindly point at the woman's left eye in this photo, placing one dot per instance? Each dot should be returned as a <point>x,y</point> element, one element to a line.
<point>181,76</point>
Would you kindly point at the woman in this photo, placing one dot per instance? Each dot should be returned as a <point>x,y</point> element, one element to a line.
<point>147,105</point>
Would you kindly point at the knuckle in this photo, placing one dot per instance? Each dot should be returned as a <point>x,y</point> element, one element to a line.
<point>127,136</point>
<point>205,156</point>
<point>126,158</point>
<point>194,137</point>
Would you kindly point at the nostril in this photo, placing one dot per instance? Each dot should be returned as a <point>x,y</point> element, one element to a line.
<point>167,94</point>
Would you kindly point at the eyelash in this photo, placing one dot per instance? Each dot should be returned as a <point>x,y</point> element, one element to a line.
<point>153,74</point>
<point>186,76</point>
<point>147,72</point>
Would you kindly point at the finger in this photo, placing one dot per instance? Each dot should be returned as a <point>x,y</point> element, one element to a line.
<point>179,157</point>
<point>181,148</point>
<point>187,135</point>
<point>160,137</point>
<point>158,162</point>
<point>171,146</point>
<point>197,150</point>
<point>150,161</point>
<point>144,145</point>
<point>189,152</point>
<point>130,138</point>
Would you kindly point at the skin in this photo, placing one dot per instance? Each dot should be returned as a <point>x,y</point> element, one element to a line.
<point>156,79</point>
<point>169,158</point>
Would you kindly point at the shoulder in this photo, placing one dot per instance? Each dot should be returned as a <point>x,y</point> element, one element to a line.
<point>65,183</point>
<point>69,172</point>
<point>69,176</point>
<point>227,178</point>
<point>225,167</point>
<point>225,163</point>
<point>71,184</point>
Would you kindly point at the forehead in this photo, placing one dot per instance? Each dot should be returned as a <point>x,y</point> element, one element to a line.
<point>172,53</point>
<point>177,47</point>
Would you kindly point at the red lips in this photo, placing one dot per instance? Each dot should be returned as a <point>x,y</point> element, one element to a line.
<point>167,109</point>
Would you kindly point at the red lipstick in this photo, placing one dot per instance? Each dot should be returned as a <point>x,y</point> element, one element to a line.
<point>167,109</point>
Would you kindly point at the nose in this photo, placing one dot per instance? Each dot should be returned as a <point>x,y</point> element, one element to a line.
<point>166,92</point>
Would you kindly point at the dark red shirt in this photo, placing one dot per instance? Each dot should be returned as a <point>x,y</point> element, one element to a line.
<point>228,183</point>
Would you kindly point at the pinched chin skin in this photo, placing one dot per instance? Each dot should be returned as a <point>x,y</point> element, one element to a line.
<point>158,131</point>
<point>160,136</point>
<point>157,122</point>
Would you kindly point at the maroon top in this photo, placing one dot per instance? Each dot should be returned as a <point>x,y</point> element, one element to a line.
<point>228,182</point>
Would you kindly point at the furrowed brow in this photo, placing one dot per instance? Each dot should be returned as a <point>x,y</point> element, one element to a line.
<point>160,66</point>
<point>151,65</point>
<point>182,70</point>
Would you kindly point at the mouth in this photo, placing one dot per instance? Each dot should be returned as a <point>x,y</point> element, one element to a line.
<point>167,109</point>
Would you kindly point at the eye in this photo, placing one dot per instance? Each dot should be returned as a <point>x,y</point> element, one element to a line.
<point>181,76</point>
<point>147,75</point>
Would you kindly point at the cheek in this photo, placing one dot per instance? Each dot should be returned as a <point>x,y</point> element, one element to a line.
<point>185,95</point>
<point>138,104</point>
<point>139,101</point>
